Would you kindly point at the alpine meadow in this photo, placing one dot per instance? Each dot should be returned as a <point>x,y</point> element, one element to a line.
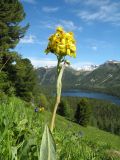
<point>59,80</point>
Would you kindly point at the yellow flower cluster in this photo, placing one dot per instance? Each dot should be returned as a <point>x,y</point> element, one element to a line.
<point>62,43</point>
<point>41,109</point>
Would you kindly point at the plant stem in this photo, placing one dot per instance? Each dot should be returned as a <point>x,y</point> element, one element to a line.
<point>59,86</point>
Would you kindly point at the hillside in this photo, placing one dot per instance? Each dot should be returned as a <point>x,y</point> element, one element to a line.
<point>22,129</point>
<point>106,78</point>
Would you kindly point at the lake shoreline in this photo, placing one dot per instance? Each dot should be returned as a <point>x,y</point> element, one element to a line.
<point>91,94</point>
<point>92,90</point>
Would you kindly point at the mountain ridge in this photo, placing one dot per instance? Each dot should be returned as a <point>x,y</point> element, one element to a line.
<point>105,78</point>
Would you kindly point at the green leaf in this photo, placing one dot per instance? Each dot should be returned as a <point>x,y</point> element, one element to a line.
<point>14,153</point>
<point>48,147</point>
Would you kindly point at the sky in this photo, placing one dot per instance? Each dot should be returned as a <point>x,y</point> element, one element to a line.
<point>95,23</point>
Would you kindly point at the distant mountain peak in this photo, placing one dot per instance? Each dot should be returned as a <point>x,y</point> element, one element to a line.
<point>88,67</point>
<point>112,62</point>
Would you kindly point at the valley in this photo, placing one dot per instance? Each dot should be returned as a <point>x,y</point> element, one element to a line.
<point>105,78</point>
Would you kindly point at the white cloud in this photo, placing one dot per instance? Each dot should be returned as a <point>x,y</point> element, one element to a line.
<point>94,48</point>
<point>28,39</point>
<point>66,24</point>
<point>42,62</point>
<point>29,1</point>
<point>103,11</point>
<point>49,9</point>
<point>32,39</point>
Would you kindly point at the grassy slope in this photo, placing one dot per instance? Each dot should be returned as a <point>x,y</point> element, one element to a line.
<point>90,133</point>
<point>20,126</point>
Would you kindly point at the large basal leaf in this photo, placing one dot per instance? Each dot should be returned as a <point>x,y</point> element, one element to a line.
<point>14,153</point>
<point>48,147</point>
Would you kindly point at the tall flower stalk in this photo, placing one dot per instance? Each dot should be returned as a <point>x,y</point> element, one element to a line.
<point>60,70</point>
<point>61,44</point>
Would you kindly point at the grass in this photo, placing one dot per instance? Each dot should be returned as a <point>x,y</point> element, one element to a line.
<point>21,131</point>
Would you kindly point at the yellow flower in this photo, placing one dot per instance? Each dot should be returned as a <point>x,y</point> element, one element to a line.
<point>61,46</point>
<point>59,29</point>
<point>68,51</point>
<point>57,49</point>
<point>62,43</point>
<point>41,109</point>
<point>73,48</point>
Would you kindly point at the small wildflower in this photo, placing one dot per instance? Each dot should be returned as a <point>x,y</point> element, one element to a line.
<point>36,110</point>
<point>41,109</point>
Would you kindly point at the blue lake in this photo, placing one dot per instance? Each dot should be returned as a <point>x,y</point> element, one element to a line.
<point>96,95</point>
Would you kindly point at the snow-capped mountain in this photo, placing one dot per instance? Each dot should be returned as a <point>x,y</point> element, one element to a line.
<point>88,67</point>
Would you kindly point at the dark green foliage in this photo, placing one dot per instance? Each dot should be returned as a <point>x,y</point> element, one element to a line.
<point>107,118</point>
<point>82,114</point>
<point>11,14</point>
<point>64,109</point>
<point>61,109</point>
<point>6,71</point>
<point>104,115</point>
<point>19,78</point>
<point>3,98</point>
<point>99,111</point>
<point>24,79</point>
<point>17,75</point>
<point>4,83</point>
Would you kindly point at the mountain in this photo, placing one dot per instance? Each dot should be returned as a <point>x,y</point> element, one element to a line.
<point>105,78</point>
<point>87,67</point>
<point>48,77</point>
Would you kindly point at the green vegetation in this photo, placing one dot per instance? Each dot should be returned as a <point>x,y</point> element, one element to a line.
<point>21,131</point>
<point>11,14</point>
<point>82,114</point>
<point>21,128</point>
<point>98,113</point>
<point>63,109</point>
<point>17,75</point>
<point>106,118</point>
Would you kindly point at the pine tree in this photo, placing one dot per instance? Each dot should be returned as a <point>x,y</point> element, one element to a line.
<point>24,79</point>
<point>61,109</point>
<point>17,75</point>
<point>64,109</point>
<point>11,14</point>
<point>82,114</point>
